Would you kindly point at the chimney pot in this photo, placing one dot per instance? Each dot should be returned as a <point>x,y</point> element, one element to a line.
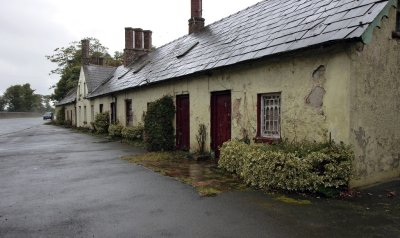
<point>196,22</point>
<point>128,38</point>
<point>196,8</point>
<point>138,38</point>
<point>147,40</point>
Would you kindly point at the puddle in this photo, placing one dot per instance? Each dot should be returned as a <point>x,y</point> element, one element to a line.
<point>204,176</point>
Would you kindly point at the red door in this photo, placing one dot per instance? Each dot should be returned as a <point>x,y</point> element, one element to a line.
<point>220,119</point>
<point>182,122</point>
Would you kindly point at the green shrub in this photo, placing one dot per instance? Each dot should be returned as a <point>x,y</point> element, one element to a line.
<point>114,130</point>
<point>158,128</point>
<point>60,120</point>
<point>133,132</point>
<point>301,166</point>
<point>101,122</point>
<point>68,124</point>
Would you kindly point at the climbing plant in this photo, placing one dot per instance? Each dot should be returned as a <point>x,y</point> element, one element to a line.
<point>60,117</point>
<point>158,128</point>
<point>201,138</point>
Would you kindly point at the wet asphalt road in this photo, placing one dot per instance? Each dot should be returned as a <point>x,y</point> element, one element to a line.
<point>55,182</point>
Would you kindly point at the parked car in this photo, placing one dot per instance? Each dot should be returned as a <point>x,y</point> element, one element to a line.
<point>48,115</point>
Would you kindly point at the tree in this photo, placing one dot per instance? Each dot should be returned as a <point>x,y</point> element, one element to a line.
<point>68,60</point>
<point>2,104</point>
<point>21,98</point>
<point>117,60</point>
<point>46,101</point>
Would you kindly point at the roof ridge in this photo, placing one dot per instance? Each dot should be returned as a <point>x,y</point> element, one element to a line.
<point>213,23</point>
<point>267,28</point>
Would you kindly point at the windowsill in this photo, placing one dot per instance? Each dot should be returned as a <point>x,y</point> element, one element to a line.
<point>396,35</point>
<point>266,140</point>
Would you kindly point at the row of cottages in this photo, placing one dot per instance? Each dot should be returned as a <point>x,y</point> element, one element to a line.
<point>295,69</point>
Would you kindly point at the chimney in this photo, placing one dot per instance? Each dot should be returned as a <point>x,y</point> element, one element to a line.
<point>138,38</point>
<point>138,42</point>
<point>85,52</point>
<point>128,38</point>
<point>196,22</point>
<point>147,40</point>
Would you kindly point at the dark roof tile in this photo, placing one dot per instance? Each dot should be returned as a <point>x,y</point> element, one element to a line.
<point>69,98</point>
<point>266,28</point>
<point>95,75</point>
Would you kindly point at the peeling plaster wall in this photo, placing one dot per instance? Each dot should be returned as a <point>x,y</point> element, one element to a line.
<point>296,77</point>
<point>375,106</point>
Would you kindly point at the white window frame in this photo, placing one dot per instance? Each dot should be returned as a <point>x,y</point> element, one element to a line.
<point>270,127</point>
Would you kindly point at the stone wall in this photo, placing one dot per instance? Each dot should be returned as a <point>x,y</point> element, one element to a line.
<point>6,115</point>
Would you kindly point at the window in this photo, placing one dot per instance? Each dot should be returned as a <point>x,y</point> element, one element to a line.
<point>128,112</point>
<point>79,92</point>
<point>113,112</point>
<point>84,115</point>
<point>101,108</point>
<point>396,32</point>
<point>398,17</point>
<point>84,89</point>
<point>269,116</point>
<point>92,113</point>
<point>79,113</point>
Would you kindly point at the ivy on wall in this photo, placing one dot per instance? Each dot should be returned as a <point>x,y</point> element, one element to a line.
<point>158,127</point>
<point>60,117</point>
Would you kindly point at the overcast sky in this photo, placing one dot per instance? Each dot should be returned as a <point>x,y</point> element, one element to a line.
<point>31,29</point>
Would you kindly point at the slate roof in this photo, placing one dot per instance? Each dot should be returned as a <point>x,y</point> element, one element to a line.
<point>69,98</point>
<point>95,75</point>
<point>264,29</point>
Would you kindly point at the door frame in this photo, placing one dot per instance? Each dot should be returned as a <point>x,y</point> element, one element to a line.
<point>214,118</point>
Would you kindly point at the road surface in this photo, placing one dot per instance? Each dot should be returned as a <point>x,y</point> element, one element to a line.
<point>55,182</point>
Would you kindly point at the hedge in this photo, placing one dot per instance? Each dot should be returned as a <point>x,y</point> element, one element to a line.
<point>115,130</point>
<point>133,132</point>
<point>101,122</point>
<point>301,166</point>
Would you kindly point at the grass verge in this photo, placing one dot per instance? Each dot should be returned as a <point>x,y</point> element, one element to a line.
<point>204,176</point>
